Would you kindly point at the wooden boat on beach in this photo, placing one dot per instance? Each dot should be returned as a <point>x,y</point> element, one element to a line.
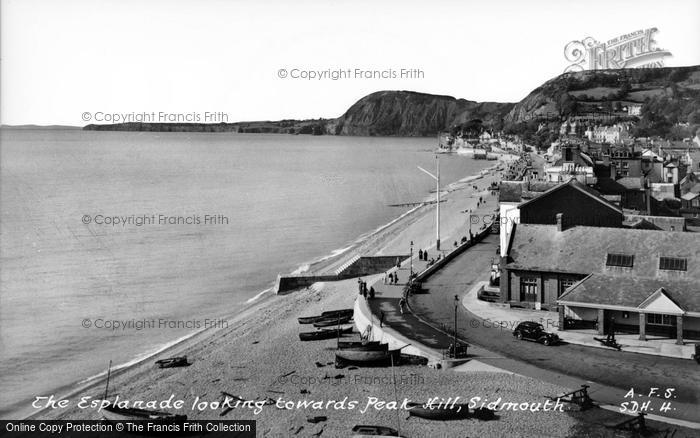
<point>332,321</point>
<point>365,347</point>
<point>172,362</point>
<point>115,413</point>
<point>439,412</point>
<point>336,313</point>
<point>367,357</point>
<point>310,319</point>
<point>347,344</point>
<point>324,334</point>
<point>363,431</point>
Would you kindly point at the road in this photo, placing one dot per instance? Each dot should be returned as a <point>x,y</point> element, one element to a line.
<point>619,371</point>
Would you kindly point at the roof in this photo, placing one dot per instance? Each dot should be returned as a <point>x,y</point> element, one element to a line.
<point>633,292</point>
<point>631,182</point>
<point>581,188</point>
<point>516,191</point>
<point>578,158</point>
<point>583,250</point>
<point>608,186</point>
<point>666,223</point>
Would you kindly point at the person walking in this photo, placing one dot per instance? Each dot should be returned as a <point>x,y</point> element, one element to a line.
<point>420,254</point>
<point>371,292</point>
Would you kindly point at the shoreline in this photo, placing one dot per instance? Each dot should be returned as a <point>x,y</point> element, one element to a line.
<point>263,300</point>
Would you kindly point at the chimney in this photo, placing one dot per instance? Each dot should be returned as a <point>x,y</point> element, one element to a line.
<point>560,220</point>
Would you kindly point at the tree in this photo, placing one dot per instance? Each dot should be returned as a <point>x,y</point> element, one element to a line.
<point>566,105</point>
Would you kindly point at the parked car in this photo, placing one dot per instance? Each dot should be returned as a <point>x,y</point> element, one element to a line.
<point>534,331</point>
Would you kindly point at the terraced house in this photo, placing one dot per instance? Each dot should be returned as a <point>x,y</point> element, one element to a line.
<point>648,281</point>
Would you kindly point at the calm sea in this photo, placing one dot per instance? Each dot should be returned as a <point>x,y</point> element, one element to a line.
<point>205,223</point>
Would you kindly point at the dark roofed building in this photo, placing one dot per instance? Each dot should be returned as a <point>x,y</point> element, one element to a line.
<point>606,267</point>
<point>579,204</point>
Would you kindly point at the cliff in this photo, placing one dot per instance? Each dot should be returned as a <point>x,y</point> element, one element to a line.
<point>407,113</point>
<point>670,96</point>
<point>595,91</point>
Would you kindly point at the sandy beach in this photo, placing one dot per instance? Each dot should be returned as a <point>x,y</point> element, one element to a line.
<point>259,358</point>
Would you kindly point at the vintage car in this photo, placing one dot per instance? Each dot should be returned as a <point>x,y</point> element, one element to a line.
<point>534,331</point>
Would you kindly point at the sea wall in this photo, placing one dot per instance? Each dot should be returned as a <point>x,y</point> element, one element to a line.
<point>372,265</point>
<point>364,321</point>
<point>430,270</point>
<point>360,267</point>
<point>293,282</point>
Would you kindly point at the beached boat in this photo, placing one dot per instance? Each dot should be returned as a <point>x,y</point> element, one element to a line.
<point>364,347</point>
<point>412,359</point>
<point>347,344</point>
<point>332,321</point>
<point>362,431</point>
<point>336,313</point>
<point>367,357</point>
<point>324,334</point>
<point>172,362</point>
<point>310,319</point>
<point>114,413</point>
<point>440,413</point>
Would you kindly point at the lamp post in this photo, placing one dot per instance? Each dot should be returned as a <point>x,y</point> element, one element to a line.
<point>455,341</point>
<point>410,277</point>
<point>436,177</point>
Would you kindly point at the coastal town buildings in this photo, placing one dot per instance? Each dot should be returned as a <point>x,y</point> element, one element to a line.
<point>573,164</point>
<point>649,281</point>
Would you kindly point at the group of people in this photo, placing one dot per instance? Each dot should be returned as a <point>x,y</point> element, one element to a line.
<point>393,278</point>
<point>423,255</point>
<point>362,286</point>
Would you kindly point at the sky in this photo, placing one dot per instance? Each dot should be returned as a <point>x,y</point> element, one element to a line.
<point>63,59</point>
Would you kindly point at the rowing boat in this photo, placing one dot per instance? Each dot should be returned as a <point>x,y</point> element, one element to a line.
<point>367,357</point>
<point>439,412</point>
<point>327,322</point>
<point>172,362</point>
<point>114,413</point>
<point>324,334</point>
<point>348,344</point>
<point>362,431</point>
<point>310,319</point>
<point>336,313</point>
<point>364,347</point>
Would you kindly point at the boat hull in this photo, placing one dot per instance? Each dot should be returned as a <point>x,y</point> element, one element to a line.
<point>310,319</point>
<point>367,357</point>
<point>323,334</point>
<point>332,321</point>
<point>336,313</point>
<point>366,347</point>
<point>119,414</point>
<point>348,344</point>
<point>443,413</point>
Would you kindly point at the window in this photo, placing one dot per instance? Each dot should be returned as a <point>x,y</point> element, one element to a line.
<point>658,319</point>
<point>528,289</point>
<point>621,260</point>
<point>673,264</point>
<point>564,284</point>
